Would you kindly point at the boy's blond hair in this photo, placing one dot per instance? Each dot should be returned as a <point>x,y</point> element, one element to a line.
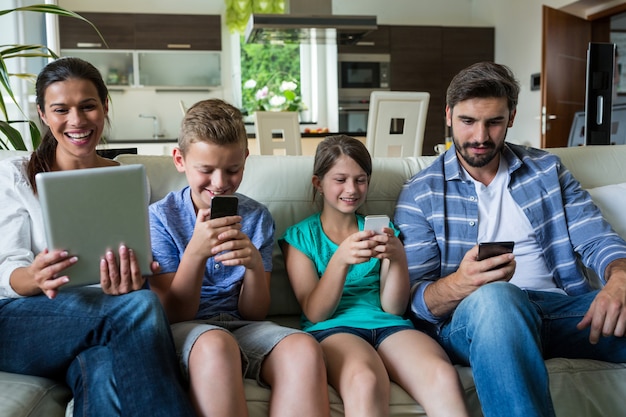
<point>214,121</point>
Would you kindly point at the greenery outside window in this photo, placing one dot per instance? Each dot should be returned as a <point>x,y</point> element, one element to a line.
<point>270,77</point>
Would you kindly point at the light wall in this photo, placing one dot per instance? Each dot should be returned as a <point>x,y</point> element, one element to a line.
<point>517,42</point>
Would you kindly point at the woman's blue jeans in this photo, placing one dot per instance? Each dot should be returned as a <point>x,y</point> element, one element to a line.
<point>115,352</point>
<point>505,333</point>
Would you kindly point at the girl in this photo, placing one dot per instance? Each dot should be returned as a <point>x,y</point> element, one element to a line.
<point>353,287</point>
<point>105,343</point>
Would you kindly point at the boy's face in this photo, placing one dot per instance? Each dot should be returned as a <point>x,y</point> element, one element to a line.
<point>211,170</point>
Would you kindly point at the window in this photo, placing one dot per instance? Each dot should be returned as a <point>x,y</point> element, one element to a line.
<point>312,67</point>
<point>270,78</point>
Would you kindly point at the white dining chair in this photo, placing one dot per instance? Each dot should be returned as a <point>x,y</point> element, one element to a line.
<point>396,123</point>
<point>277,133</point>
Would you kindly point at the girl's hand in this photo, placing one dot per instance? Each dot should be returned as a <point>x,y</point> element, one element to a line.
<point>47,268</point>
<point>357,248</point>
<point>389,245</point>
<point>123,278</point>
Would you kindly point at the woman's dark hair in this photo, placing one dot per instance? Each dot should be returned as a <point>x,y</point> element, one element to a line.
<point>332,148</point>
<point>483,80</point>
<point>62,69</point>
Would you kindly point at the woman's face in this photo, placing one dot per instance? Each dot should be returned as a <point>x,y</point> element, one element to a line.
<point>75,115</point>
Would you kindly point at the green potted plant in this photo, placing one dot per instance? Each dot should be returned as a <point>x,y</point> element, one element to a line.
<point>10,137</point>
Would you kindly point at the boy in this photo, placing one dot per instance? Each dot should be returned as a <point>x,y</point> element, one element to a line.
<point>214,281</point>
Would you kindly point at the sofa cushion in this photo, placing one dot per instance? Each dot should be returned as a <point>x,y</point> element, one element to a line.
<point>23,395</point>
<point>611,199</point>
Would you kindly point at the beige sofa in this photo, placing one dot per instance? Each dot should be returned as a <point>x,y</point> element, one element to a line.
<point>579,387</point>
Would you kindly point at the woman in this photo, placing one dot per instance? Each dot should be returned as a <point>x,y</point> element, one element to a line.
<point>111,344</point>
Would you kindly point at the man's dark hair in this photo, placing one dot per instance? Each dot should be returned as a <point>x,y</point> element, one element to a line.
<point>483,80</point>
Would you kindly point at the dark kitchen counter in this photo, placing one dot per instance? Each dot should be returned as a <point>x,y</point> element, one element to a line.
<point>122,141</point>
<point>112,142</point>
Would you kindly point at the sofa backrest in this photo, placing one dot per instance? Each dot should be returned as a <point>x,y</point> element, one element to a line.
<point>283,184</point>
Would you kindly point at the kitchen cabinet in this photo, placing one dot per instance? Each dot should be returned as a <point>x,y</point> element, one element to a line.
<point>142,31</point>
<point>117,29</point>
<point>189,32</point>
<point>426,58</point>
<point>148,50</point>
<point>178,69</point>
<point>184,70</point>
<point>375,42</point>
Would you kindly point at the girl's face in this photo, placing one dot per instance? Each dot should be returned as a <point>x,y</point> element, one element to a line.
<point>344,187</point>
<point>211,170</point>
<point>75,115</point>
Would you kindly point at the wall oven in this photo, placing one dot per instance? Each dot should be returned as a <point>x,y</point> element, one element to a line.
<point>359,75</point>
<point>363,72</point>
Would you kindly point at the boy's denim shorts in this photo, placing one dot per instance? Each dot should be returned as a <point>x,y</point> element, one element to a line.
<point>256,340</point>
<point>372,336</point>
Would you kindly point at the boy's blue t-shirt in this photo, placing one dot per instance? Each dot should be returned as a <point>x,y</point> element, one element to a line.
<point>172,222</point>
<point>360,305</point>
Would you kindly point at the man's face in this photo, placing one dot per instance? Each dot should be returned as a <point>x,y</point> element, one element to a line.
<point>479,127</point>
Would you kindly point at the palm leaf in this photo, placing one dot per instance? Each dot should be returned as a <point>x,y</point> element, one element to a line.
<point>13,135</point>
<point>53,9</point>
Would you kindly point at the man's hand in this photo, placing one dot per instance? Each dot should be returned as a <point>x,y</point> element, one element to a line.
<point>445,294</point>
<point>473,274</point>
<point>607,313</point>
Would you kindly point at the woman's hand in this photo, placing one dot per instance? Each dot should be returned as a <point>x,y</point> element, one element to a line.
<point>46,271</point>
<point>123,278</point>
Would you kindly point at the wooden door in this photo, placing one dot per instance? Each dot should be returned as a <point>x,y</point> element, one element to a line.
<point>564,60</point>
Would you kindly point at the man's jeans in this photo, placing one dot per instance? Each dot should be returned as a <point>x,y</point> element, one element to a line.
<point>505,333</point>
<point>115,352</point>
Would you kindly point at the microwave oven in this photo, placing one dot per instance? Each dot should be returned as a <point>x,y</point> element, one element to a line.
<point>360,74</point>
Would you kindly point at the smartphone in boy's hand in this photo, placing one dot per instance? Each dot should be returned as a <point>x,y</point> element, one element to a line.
<point>224,205</point>
<point>376,222</point>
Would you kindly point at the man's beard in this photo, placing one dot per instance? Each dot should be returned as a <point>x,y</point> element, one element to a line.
<point>481,160</point>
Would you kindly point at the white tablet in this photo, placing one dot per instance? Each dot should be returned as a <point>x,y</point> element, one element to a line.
<point>87,211</point>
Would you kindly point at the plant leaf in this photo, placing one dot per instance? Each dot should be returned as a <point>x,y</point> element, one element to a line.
<point>53,9</point>
<point>35,134</point>
<point>13,135</point>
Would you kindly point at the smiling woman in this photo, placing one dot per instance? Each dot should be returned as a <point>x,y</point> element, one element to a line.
<point>72,102</point>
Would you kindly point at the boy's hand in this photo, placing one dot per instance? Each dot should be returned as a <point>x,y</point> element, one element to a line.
<point>210,233</point>
<point>237,249</point>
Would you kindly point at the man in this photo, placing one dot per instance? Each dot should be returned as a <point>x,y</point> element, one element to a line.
<point>504,315</point>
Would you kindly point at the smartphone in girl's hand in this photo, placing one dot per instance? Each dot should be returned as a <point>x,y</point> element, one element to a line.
<point>376,223</point>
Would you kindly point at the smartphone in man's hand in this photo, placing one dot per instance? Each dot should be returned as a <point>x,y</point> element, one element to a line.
<point>490,249</point>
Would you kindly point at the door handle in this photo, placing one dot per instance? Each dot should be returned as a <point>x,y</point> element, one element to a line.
<point>544,119</point>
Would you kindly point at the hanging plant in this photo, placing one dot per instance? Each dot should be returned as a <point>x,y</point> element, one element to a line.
<point>238,11</point>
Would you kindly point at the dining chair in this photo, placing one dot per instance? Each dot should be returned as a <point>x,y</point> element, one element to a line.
<point>396,123</point>
<point>277,133</point>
